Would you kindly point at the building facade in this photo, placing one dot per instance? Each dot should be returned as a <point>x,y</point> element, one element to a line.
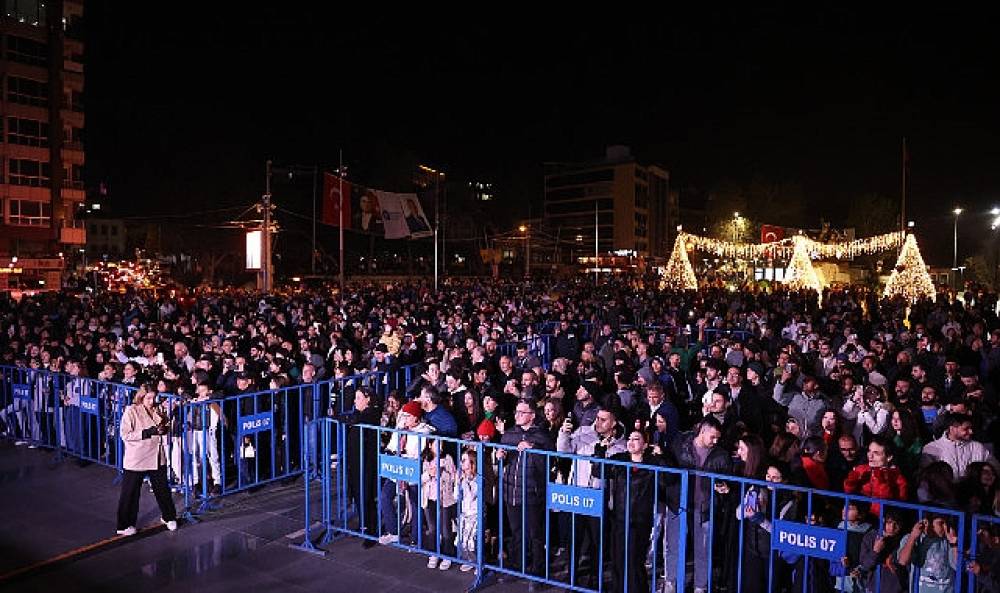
<point>627,204</point>
<point>41,132</point>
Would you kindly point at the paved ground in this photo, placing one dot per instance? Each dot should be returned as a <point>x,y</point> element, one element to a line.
<point>50,508</point>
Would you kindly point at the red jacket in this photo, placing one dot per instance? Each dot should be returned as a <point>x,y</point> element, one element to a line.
<point>884,482</point>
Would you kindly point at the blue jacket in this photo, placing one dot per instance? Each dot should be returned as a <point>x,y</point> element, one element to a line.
<point>443,422</point>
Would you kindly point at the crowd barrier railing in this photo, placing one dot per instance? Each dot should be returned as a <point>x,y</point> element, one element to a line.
<point>511,516</point>
<point>215,447</point>
<point>713,335</point>
<point>803,537</point>
<point>572,521</point>
<point>70,415</point>
<point>984,554</point>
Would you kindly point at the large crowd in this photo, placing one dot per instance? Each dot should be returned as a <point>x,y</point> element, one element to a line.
<point>845,393</point>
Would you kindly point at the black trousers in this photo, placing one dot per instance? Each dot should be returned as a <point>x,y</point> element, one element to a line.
<point>530,540</point>
<point>638,546</point>
<point>128,502</point>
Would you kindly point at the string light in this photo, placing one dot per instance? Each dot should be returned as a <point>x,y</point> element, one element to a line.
<point>909,279</point>
<point>679,275</point>
<point>800,250</point>
<point>801,275</point>
<point>784,249</point>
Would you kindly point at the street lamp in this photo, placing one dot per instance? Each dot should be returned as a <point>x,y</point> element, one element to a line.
<point>954,260</point>
<point>438,175</point>
<point>736,222</point>
<point>527,249</point>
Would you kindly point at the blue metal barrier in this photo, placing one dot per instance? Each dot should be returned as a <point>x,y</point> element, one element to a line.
<point>71,415</point>
<point>521,533</point>
<point>713,335</point>
<point>984,554</point>
<point>743,534</point>
<point>806,518</point>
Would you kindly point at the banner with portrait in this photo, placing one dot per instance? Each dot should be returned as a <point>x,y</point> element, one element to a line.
<point>373,212</point>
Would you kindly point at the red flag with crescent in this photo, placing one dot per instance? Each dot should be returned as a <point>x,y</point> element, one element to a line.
<point>332,201</point>
<point>770,234</point>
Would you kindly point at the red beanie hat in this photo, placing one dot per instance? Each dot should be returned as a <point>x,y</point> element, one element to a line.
<point>487,429</point>
<point>413,409</point>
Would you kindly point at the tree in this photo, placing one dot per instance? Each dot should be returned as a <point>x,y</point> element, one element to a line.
<point>909,279</point>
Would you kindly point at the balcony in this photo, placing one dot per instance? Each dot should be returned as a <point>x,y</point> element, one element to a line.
<point>73,232</point>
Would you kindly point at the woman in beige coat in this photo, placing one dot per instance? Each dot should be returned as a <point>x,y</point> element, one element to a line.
<point>144,430</point>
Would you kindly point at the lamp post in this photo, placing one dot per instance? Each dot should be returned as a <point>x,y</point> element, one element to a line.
<point>438,175</point>
<point>527,249</point>
<point>954,259</point>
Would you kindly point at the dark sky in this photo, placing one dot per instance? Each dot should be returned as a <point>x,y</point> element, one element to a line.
<point>184,108</point>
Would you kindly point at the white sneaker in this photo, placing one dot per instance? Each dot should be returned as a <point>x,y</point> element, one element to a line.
<point>466,567</point>
<point>388,538</point>
<point>20,443</point>
<point>126,532</point>
<point>171,525</point>
<point>668,587</point>
<point>445,564</point>
<point>700,590</point>
<point>432,562</point>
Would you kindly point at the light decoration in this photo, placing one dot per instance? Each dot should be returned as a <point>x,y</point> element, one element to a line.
<point>679,275</point>
<point>784,249</point>
<point>799,250</point>
<point>801,275</point>
<point>909,279</point>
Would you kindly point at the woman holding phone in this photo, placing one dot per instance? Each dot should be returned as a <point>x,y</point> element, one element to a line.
<point>144,429</point>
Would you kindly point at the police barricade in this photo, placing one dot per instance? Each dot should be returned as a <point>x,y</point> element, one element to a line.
<point>539,346</point>
<point>29,400</point>
<point>713,335</point>
<point>586,523</point>
<point>92,412</point>
<point>72,415</point>
<point>983,565</point>
<point>500,510</point>
<point>767,536</point>
<point>399,378</point>
<point>410,489</point>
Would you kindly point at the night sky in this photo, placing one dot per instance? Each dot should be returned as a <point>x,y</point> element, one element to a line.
<point>186,104</point>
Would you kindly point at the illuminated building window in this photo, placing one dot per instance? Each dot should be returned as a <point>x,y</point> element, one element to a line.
<point>28,12</point>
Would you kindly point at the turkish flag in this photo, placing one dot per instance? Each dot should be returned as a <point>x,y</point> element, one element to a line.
<point>333,201</point>
<point>770,234</point>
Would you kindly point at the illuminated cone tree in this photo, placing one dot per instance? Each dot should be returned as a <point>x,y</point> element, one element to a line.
<point>679,275</point>
<point>910,279</point>
<point>801,275</point>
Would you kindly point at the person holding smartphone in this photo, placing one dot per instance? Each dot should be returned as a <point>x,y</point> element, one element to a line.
<point>144,428</point>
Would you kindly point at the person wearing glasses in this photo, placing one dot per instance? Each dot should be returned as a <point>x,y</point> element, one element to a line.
<point>523,488</point>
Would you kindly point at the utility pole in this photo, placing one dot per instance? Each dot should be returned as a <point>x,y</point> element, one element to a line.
<point>437,223</point>
<point>266,269</point>
<point>597,236</point>
<point>340,208</point>
<point>527,258</point>
<point>312,257</point>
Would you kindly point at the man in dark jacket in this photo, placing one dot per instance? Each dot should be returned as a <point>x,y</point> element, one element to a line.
<point>362,460</point>
<point>744,400</point>
<point>567,342</point>
<point>698,450</point>
<point>523,488</point>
